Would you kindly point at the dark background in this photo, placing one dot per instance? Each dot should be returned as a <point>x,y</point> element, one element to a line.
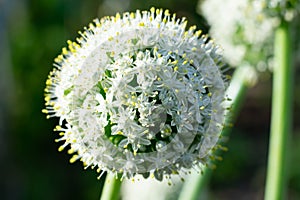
<point>32,33</point>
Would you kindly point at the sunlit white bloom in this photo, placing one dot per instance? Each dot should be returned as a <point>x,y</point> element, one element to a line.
<point>243,29</point>
<point>138,94</point>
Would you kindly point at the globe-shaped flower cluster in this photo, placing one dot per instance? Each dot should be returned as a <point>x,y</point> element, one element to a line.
<point>138,94</point>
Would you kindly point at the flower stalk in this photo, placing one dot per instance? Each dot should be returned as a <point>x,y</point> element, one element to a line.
<point>111,189</point>
<point>281,115</point>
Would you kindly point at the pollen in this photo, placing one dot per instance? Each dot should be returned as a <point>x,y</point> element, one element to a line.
<point>57,128</point>
<point>118,16</point>
<point>49,82</point>
<point>74,158</point>
<point>45,111</point>
<point>64,51</point>
<point>61,148</point>
<point>198,33</point>
<point>167,13</point>
<point>132,15</point>
<point>71,151</point>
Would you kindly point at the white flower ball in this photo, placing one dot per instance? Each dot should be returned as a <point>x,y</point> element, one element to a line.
<point>138,94</point>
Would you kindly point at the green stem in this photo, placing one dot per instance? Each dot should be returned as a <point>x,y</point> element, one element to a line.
<point>281,115</point>
<point>242,79</point>
<point>239,85</point>
<point>195,185</point>
<point>111,189</point>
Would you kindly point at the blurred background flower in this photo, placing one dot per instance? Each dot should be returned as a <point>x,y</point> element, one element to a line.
<point>285,9</point>
<point>245,31</point>
<point>32,32</point>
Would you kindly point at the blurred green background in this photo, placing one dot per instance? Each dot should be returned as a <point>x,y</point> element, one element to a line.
<point>32,33</point>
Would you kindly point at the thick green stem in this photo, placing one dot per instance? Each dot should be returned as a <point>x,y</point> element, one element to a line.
<point>281,115</point>
<point>195,185</point>
<point>111,189</point>
<point>241,81</point>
